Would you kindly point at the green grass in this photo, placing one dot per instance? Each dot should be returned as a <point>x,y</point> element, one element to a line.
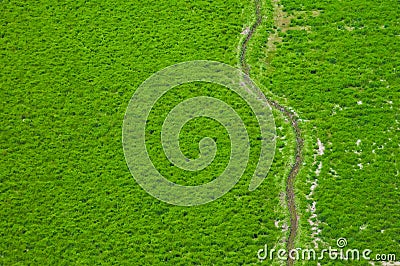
<point>70,68</point>
<point>343,80</point>
<point>67,196</point>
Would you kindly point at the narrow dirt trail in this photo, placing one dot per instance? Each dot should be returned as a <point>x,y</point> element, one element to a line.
<point>299,140</point>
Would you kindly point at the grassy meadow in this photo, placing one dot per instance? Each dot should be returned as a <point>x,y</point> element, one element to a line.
<point>67,196</point>
<point>337,65</point>
<point>68,72</point>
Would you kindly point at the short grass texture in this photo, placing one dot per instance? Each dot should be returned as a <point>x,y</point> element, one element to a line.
<point>339,68</point>
<point>69,69</point>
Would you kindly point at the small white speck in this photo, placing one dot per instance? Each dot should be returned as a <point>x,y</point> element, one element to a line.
<point>363,227</point>
<point>245,31</point>
<point>321,147</point>
<point>277,223</point>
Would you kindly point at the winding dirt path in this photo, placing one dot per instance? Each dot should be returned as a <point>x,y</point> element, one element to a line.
<point>299,140</point>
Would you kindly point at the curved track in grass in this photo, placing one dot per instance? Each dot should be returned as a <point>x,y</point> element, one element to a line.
<point>299,140</point>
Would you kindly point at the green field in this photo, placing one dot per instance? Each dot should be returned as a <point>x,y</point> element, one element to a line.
<point>341,75</point>
<point>70,68</point>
